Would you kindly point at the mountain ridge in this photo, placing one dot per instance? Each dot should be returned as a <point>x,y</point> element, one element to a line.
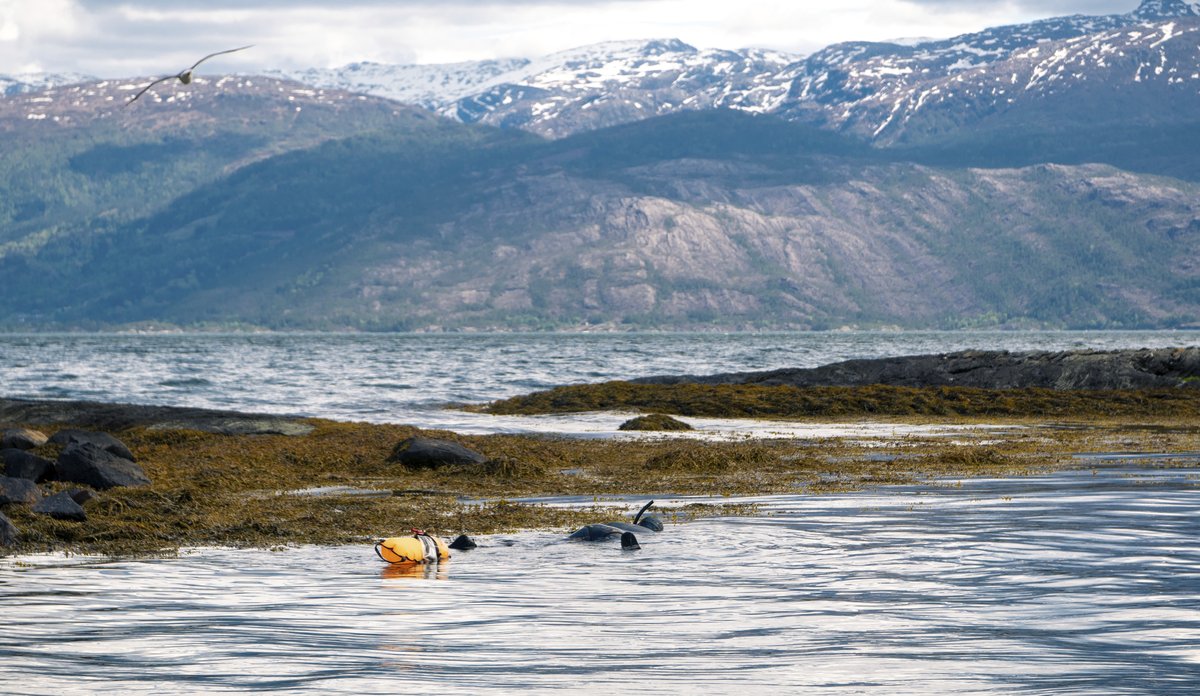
<point>256,201</point>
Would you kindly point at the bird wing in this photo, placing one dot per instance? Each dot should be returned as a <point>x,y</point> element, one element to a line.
<point>231,50</point>
<point>147,87</point>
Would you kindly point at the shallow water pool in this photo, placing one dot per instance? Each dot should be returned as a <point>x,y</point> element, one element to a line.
<point>1076,582</point>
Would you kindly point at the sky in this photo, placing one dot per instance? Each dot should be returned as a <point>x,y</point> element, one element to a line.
<point>127,38</point>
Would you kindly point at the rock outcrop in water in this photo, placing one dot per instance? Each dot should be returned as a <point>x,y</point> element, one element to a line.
<point>1085,369</point>
<point>104,416</point>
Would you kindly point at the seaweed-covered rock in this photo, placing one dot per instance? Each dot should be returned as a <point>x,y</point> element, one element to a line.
<point>18,490</point>
<point>8,533</point>
<point>656,421</point>
<point>102,440</point>
<point>430,453</point>
<point>27,465</point>
<point>91,465</point>
<point>61,506</point>
<point>22,439</point>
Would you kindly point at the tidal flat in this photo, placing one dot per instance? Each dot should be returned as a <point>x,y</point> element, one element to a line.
<point>337,484</point>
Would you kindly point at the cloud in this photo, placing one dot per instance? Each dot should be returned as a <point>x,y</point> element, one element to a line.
<point>1040,8</point>
<point>123,38</point>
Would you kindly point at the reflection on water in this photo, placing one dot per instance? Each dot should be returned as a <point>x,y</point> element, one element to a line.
<point>1068,583</point>
<point>428,571</point>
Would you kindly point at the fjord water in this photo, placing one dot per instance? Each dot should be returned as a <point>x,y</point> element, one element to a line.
<point>407,378</point>
<point>1077,582</point>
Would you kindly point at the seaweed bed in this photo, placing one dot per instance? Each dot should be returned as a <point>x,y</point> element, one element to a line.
<point>236,489</point>
<point>758,401</point>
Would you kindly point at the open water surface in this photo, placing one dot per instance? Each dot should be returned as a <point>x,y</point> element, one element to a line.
<point>1069,583</point>
<point>408,378</point>
<point>1075,582</point>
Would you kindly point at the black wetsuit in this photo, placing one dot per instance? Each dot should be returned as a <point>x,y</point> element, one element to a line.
<point>600,532</point>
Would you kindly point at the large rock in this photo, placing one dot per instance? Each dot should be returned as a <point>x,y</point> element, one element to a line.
<point>429,453</point>
<point>61,506</point>
<point>1146,368</point>
<point>89,464</point>
<point>22,438</point>
<point>18,490</point>
<point>102,440</point>
<point>8,533</point>
<point>21,464</point>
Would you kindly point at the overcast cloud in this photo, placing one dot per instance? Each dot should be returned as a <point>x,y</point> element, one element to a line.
<point>122,38</point>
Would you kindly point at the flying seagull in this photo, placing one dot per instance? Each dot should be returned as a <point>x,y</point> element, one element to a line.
<point>186,76</point>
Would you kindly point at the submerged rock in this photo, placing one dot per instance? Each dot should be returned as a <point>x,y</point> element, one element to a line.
<point>61,506</point>
<point>91,465</point>
<point>430,453</point>
<point>22,439</point>
<point>655,422</point>
<point>21,464</point>
<point>18,490</point>
<point>102,440</point>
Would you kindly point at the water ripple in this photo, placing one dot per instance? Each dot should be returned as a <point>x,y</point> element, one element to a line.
<point>1066,583</point>
<point>406,377</point>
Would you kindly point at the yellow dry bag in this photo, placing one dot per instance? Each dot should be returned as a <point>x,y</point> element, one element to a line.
<point>418,548</point>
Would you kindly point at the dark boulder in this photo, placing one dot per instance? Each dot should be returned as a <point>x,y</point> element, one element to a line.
<point>21,438</point>
<point>18,490</point>
<point>8,533</point>
<point>61,506</point>
<point>102,440</point>
<point>26,465</point>
<point>96,467</point>
<point>429,453</point>
<point>655,422</point>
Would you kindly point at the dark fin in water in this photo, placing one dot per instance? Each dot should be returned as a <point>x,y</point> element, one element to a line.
<point>641,512</point>
<point>629,542</point>
<point>463,543</point>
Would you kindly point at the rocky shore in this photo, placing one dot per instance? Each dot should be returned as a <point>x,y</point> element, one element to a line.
<point>132,479</point>
<point>1068,370</point>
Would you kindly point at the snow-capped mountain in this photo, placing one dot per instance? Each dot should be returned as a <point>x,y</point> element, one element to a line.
<point>1148,70</point>
<point>579,89</point>
<point>430,86</point>
<point>869,88</point>
<point>877,89</point>
<point>887,92</point>
<point>36,82</point>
